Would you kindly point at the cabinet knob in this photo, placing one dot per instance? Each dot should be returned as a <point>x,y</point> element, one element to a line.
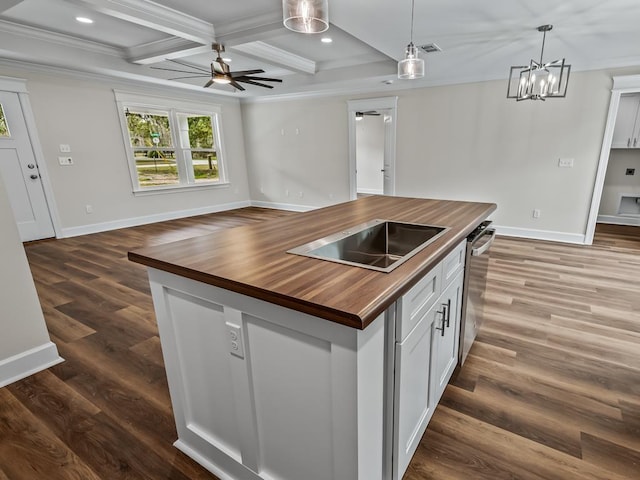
<point>33,177</point>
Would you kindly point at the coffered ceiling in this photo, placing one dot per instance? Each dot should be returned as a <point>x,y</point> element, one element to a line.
<point>479,40</point>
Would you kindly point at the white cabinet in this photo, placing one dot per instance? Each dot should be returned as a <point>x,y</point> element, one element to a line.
<point>446,335</point>
<point>626,133</point>
<point>426,352</point>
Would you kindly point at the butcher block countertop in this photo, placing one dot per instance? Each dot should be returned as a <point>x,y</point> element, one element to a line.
<point>252,260</point>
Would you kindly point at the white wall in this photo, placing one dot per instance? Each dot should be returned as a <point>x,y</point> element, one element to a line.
<point>370,154</point>
<point>24,341</point>
<point>616,182</point>
<point>314,161</point>
<point>464,142</point>
<point>82,113</point>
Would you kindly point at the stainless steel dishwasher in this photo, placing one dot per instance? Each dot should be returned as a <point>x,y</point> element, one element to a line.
<point>475,283</point>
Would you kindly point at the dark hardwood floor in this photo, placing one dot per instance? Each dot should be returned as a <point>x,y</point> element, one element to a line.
<point>550,390</point>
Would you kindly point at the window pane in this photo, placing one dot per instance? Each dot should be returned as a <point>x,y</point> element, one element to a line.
<point>156,168</point>
<point>148,129</point>
<point>4,129</point>
<point>205,166</point>
<point>196,131</point>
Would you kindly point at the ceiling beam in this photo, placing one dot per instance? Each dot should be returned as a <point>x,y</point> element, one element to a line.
<point>161,50</point>
<point>276,56</point>
<point>155,16</point>
<point>250,29</point>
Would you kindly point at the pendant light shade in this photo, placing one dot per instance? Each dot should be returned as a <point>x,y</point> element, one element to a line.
<point>411,66</point>
<point>539,81</point>
<point>306,16</point>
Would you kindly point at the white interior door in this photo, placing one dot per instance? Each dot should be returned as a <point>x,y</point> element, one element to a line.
<point>20,174</point>
<point>370,153</point>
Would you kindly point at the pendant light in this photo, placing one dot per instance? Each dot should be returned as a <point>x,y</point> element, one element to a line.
<point>539,81</point>
<point>411,66</point>
<point>306,16</point>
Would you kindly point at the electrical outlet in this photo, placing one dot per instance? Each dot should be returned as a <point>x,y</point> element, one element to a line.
<point>565,162</point>
<point>535,213</point>
<point>630,171</point>
<point>64,148</point>
<point>236,346</point>
<point>66,161</point>
<point>88,209</point>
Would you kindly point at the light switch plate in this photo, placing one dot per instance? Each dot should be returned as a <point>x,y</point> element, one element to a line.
<point>65,161</point>
<point>64,148</point>
<point>565,162</point>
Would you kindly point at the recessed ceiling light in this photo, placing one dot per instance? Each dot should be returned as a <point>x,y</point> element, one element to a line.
<point>84,20</point>
<point>326,40</point>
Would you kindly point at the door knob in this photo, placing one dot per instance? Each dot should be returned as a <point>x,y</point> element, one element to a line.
<point>383,170</point>
<point>31,166</point>
<point>34,177</point>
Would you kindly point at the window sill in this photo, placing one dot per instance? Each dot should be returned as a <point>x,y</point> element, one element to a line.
<point>179,189</point>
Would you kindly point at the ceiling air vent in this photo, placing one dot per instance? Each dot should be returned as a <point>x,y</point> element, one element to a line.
<point>430,48</point>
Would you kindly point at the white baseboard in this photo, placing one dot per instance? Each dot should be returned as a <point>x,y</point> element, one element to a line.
<point>283,206</point>
<point>370,191</point>
<point>27,363</point>
<point>619,219</point>
<point>548,235</point>
<point>158,217</point>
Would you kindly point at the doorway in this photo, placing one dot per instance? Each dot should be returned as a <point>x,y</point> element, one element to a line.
<point>20,169</point>
<point>622,86</point>
<point>372,146</point>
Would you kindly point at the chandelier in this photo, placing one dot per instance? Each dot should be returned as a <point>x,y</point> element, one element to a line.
<point>538,80</point>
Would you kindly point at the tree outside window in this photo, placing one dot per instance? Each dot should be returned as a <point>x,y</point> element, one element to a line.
<point>171,147</point>
<point>4,129</point>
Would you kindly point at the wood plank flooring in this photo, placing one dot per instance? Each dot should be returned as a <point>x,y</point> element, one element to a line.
<point>550,390</point>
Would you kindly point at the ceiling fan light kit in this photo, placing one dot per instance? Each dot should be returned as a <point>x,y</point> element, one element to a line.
<point>306,16</point>
<point>411,66</point>
<point>538,80</point>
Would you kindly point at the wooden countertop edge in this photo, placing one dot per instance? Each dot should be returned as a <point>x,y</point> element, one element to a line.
<point>338,316</point>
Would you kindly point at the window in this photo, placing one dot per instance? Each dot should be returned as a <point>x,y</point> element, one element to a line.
<point>173,145</point>
<point>4,129</point>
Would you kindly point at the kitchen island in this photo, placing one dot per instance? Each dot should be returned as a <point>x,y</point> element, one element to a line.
<point>282,366</point>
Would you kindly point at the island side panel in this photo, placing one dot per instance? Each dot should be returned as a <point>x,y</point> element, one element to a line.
<point>303,398</point>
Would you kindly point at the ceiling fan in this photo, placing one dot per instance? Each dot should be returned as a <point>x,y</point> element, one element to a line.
<point>373,113</point>
<point>221,74</point>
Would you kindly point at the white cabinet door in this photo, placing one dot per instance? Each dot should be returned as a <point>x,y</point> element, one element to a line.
<point>446,335</point>
<point>413,395</point>
<point>625,133</point>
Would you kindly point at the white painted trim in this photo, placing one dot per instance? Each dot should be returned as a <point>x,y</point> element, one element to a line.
<point>29,362</point>
<point>389,104</point>
<point>283,206</point>
<point>14,85</point>
<point>160,50</point>
<point>58,38</point>
<point>619,220</point>
<point>155,16</point>
<point>627,83</point>
<point>158,217</point>
<point>370,191</point>
<point>601,173</point>
<point>547,235</point>
<point>277,56</point>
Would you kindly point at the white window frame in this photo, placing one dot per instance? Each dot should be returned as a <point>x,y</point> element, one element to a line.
<point>174,107</point>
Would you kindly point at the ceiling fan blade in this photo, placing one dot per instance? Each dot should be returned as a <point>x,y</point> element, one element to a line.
<point>236,85</point>
<point>242,73</point>
<point>251,82</point>
<point>208,84</point>
<point>264,79</point>
<point>184,64</point>
<point>171,70</point>
<point>190,76</point>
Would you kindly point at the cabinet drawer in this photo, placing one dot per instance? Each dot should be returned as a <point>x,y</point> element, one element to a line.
<point>453,264</point>
<point>417,301</point>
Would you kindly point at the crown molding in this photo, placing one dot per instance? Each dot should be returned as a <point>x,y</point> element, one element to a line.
<point>277,56</point>
<point>155,16</point>
<point>58,38</point>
